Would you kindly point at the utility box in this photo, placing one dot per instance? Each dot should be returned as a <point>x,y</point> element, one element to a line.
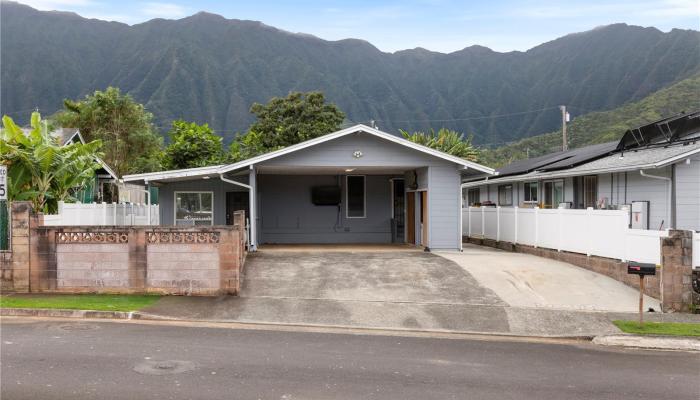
<point>640,215</point>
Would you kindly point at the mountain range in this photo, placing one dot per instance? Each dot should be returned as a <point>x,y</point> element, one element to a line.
<point>207,68</point>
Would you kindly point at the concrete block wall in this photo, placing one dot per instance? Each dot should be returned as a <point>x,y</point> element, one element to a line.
<point>117,259</point>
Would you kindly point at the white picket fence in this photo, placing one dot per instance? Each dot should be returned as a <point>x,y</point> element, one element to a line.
<point>696,250</point>
<point>602,233</point>
<point>104,214</point>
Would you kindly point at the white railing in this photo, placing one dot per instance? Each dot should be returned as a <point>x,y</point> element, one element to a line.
<point>104,214</point>
<point>603,233</point>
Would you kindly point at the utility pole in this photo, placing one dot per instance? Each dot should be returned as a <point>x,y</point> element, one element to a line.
<point>564,120</point>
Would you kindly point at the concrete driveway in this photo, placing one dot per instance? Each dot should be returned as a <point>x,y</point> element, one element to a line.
<point>524,280</point>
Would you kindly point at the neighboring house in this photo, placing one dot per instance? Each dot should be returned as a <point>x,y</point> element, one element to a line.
<point>104,187</point>
<point>357,185</point>
<point>656,166</point>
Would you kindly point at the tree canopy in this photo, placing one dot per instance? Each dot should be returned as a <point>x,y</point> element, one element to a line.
<point>447,141</point>
<point>285,121</point>
<point>124,127</point>
<point>192,145</point>
<point>40,169</point>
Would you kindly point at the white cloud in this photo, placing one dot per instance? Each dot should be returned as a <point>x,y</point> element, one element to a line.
<point>49,5</point>
<point>164,10</point>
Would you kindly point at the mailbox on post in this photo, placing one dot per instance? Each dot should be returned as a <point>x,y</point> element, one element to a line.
<point>641,269</point>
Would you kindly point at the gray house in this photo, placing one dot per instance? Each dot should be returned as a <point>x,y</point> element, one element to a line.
<point>654,170</point>
<point>357,185</point>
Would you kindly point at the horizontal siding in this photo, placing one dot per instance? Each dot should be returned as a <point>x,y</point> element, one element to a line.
<point>445,210</point>
<point>688,195</point>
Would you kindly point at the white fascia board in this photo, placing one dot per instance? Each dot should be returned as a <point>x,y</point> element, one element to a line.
<point>350,130</point>
<point>677,158</point>
<point>173,174</point>
<point>107,168</point>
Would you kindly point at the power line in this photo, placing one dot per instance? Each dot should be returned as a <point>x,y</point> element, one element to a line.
<point>471,118</point>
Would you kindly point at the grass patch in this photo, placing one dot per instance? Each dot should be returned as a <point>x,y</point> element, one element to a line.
<point>659,328</point>
<point>100,302</point>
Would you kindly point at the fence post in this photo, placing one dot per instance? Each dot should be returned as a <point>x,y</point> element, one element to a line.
<point>589,213</point>
<point>537,225</point>
<point>559,230</point>
<point>469,221</point>
<point>483,222</point>
<point>515,234</point>
<point>498,223</point>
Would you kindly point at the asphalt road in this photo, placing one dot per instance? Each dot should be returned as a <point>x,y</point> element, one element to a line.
<point>87,360</point>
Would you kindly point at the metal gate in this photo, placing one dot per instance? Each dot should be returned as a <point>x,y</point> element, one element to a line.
<point>4,225</point>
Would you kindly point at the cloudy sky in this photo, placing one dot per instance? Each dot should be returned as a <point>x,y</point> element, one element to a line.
<point>439,25</point>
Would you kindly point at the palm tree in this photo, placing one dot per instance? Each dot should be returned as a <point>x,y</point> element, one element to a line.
<point>447,141</point>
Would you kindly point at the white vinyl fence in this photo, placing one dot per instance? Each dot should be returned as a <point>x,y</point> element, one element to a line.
<point>603,233</point>
<point>696,250</point>
<point>104,214</point>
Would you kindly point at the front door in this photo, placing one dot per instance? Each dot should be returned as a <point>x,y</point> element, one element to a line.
<point>236,201</point>
<point>424,218</point>
<point>398,206</point>
<point>411,214</point>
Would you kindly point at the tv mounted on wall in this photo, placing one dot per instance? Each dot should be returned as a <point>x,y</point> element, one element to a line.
<point>325,195</point>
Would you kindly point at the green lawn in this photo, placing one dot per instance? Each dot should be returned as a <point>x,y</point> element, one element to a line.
<point>101,302</point>
<point>660,328</point>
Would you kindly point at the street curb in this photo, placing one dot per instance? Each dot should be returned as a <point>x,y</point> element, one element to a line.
<point>64,313</point>
<point>136,315</point>
<point>650,342</point>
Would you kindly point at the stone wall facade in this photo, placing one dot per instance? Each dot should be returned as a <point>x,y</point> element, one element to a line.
<point>206,260</point>
<point>671,285</point>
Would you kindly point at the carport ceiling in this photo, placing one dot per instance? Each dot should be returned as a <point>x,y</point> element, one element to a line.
<point>349,170</point>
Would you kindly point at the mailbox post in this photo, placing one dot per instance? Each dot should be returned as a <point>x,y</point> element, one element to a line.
<point>641,269</point>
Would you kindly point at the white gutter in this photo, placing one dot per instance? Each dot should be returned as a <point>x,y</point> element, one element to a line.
<point>234,182</point>
<point>670,188</point>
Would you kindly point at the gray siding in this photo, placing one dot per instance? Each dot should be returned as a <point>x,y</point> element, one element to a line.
<point>443,199</point>
<point>688,194</point>
<point>166,197</point>
<point>287,215</point>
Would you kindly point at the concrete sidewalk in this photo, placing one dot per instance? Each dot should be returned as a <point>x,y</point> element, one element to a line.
<point>488,319</point>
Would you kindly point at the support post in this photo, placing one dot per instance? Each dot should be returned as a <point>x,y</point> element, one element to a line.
<point>515,233</point>
<point>498,223</point>
<point>641,299</point>
<point>252,193</point>
<point>483,222</point>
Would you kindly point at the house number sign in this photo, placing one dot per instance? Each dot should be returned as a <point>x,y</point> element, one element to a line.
<point>3,182</point>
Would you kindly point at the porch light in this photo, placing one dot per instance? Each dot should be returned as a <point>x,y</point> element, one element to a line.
<point>205,177</point>
<point>349,169</point>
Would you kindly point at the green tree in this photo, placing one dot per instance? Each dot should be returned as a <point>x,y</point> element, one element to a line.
<point>191,146</point>
<point>125,128</point>
<point>40,169</point>
<point>247,146</point>
<point>285,121</point>
<point>447,141</point>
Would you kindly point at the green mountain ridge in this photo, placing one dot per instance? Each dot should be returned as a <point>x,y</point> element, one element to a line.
<point>600,127</point>
<point>206,68</point>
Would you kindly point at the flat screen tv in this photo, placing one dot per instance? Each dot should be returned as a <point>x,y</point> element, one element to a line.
<point>325,195</point>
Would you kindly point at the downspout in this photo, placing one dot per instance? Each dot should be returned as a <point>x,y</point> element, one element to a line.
<point>670,189</point>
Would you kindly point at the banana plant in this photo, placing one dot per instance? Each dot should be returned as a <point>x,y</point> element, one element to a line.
<point>40,170</point>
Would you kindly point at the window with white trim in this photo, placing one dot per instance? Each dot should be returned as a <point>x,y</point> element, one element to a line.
<point>505,195</point>
<point>355,196</point>
<point>531,189</point>
<point>194,208</point>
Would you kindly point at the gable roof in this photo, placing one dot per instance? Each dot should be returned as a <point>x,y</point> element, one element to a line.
<point>221,169</point>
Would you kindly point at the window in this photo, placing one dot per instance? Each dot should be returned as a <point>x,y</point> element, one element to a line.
<point>531,190</point>
<point>355,196</point>
<point>553,193</point>
<point>505,195</point>
<point>590,191</point>
<point>194,208</point>
<point>473,196</point>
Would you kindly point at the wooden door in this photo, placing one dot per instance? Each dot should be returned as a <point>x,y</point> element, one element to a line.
<point>424,218</point>
<point>411,217</point>
<point>236,201</point>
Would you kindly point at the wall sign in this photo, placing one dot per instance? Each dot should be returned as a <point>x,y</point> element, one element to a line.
<point>3,182</point>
